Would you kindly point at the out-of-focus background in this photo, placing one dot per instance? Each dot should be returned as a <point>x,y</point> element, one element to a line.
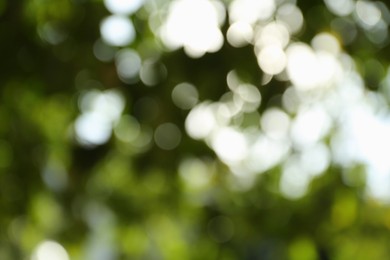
<point>194,129</point>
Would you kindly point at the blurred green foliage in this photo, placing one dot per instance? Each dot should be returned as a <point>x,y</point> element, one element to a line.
<point>120,201</point>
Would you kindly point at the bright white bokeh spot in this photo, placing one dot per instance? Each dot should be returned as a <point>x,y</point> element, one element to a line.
<point>294,181</point>
<point>266,78</point>
<point>291,100</point>
<point>193,25</point>
<point>92,129</point>
<point>239,34</point>
<point>316,159</point>
<point>329,69</point>
<point>233,80</point>
<point>291,16</point>
<point>302,66</point>
<point>230,145</point>
<point>378,185</point>
<point>364,139</point>
<point>117,30</point>
<point>309,126</point>
<point>344,152</point>
<point>272,59</point>
<point>371,136</point>
<point>231,105</point>
<point>100,110</point>
<point>265,153</point>
<point>310,70</point>
<point>109,104</point>
<point>88,99</point>
<point>128,65</point>
<point>185,95</point>
<point>247,97</point>
<point>123,6</point>
<point>275,123</point>
<point>326,42</point>
<point>273,33</point>
<point>250,11</point>
<point>201,121</point>
<point>50,250</point>
<point>368,13</point>
<point>248,93</point>
<point>167,136</point>
<point>340,7</point>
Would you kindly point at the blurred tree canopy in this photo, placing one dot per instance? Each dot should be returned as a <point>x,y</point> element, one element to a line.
<point>194,129</point>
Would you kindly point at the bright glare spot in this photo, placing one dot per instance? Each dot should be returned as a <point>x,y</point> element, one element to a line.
<point>193,25</point>
<point>272,59</point>
<point>128,65</point>
<point>363,138</point>
<point>100,110</point>
<point>272,34</point>
<point>239,34</point>
<point>378,185</point>
<point>92,129</point>
<point>50,250</point>
<point>302,66</point>
<point>250,11</point>
<point>109,104</point>
<point>233,80</point>
<point>294,181</point>
<point>340,7</point>
<point>194,172</point>
<point>265,153</point>
<point>117,30</point>
<point>230,145</point>
<point>291,100</point>
<point>368,13</point>
<point>309,70</point>
<point>316,159</point>
<point>167,136</point>
<point>88,99</point>
<point>123,6</point>
<point>267,78</point>
<point>371,138</point>
<point>326,42</point>
<point>310,126</point>
<point>201,121</point>
<point>343,149</point>
<point>232,105</point>
<point>275,123</point>
<point>185,95</point>
<point>291,16</point>
<point>247,97</point>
